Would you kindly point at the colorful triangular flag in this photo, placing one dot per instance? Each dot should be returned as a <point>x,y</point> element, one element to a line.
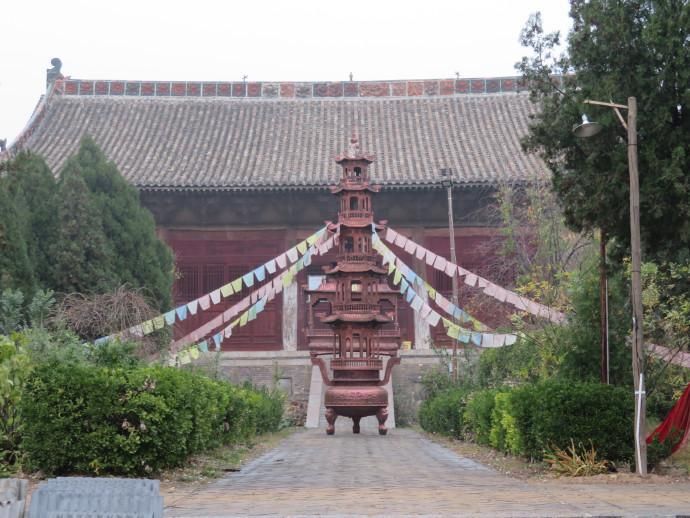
<point>181,312</point>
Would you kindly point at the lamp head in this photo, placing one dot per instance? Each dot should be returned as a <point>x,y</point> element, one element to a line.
<point>586,128</point>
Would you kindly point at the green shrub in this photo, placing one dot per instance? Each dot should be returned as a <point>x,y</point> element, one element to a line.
<point>15,368</point>
<point>443,413</point>
<point>587,413</point>
<point>84,418</point>
<point>497,435</point>
<point>532,419</point>
<point>477,416</point>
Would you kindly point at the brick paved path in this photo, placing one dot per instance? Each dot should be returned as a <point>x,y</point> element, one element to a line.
<point>311,474</point>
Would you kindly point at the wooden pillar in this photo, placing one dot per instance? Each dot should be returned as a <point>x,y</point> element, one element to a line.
<point>422,334</point>
<point>290,301</point>
<point>290,304</point>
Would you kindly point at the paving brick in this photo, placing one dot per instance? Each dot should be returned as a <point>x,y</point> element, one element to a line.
<point>403,474</point>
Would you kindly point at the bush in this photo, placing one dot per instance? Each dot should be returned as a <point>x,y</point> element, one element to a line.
<point>83,418</point>
<point>443,413</point>
<point>587,413</point>
<point>536,418</point>
<point>477,416</point>
<point>15,368</point>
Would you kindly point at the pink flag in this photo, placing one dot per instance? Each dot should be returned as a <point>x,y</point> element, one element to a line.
<point>520,303</point>
<point>490,289</point>
<point>440,263</point>
<point>482,282</point>
<point>470,279</point>
<point>400,241</point>
<point>451,269</point>
<point>430,257</point>
<point>426,309</point>
<point>533,307</point>
<point>215,296</point>
<point>205,302</point>
<point>391,235</point>
<point>280,260</point>
<point>500,294</point>
<point>410,247</point>
<point>419,254</point>
<point>462,272</point>
<point>292,254</point>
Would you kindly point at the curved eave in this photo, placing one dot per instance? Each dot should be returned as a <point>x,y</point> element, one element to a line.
<point>313,188</point>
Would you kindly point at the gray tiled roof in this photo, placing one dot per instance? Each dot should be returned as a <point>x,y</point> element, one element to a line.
<point>245,143</point>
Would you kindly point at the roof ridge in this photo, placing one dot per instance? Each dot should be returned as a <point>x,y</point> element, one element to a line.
<point>291,89</point>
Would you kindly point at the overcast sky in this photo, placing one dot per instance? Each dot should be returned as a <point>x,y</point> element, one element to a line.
<point>266,40</point>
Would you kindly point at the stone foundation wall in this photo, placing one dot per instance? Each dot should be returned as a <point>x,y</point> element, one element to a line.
<point>290,371</point>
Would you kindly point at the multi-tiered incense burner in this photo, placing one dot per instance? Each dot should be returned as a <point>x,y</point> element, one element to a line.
<point>361,307</point>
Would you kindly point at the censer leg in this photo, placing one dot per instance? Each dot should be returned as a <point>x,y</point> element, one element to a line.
<point>331,416</point>
<point>382,415</point>
<point>355,424</point>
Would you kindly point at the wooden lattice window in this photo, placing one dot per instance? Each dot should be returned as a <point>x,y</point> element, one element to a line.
<point>213,277</point>
<point>189,283</point>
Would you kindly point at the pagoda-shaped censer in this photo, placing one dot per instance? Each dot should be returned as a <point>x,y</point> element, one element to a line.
<point>362,308</point>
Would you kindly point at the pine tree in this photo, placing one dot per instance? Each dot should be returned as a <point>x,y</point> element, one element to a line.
<point>34,188</point>
<point>16,271</point>
<point>139,258</point>
<point>82,255</point>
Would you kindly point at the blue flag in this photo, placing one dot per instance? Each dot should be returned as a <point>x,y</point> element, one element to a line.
<point>181,312</point>
<point>170,317</point>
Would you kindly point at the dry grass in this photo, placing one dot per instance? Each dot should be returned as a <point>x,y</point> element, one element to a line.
<point>576,461</point>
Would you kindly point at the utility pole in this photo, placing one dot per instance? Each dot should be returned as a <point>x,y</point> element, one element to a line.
<point>589,129</point>
<point>637,320</point>
<point>447,175</point>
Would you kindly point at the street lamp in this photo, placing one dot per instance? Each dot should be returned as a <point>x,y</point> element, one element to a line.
<point>447,182</point>
<point>588,129</point>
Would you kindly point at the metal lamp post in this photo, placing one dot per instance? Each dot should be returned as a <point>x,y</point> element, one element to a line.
<point>588,129</point>
<point>447,182</point>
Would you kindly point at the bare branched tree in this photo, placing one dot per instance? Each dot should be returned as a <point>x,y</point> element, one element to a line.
<point>96,315</point>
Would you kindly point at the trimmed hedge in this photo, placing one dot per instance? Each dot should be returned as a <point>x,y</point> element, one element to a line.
<point>81,418</point>
<point>532,419</point>
<point>443,413</point>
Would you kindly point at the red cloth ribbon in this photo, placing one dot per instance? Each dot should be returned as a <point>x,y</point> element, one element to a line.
<point>677,423</point>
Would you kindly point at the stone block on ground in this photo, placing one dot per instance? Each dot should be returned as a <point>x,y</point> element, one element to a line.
<point>82,497</point>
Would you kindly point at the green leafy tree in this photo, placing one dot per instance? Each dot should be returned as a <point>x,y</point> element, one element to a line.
<point>617,49</point>
<point>138,257</point>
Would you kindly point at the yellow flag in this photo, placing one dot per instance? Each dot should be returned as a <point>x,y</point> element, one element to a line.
<point>194,353</point>
<point>237,284</point>
<point>243,319</point>
<point>397,277</point>
<point>147,327</point>
<point>312,239</point>
<point>302,247</point>
<point>227,290</point>
<point>159,322</point>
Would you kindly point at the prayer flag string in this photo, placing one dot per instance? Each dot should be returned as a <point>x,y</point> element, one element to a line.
<point>471,279</point>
